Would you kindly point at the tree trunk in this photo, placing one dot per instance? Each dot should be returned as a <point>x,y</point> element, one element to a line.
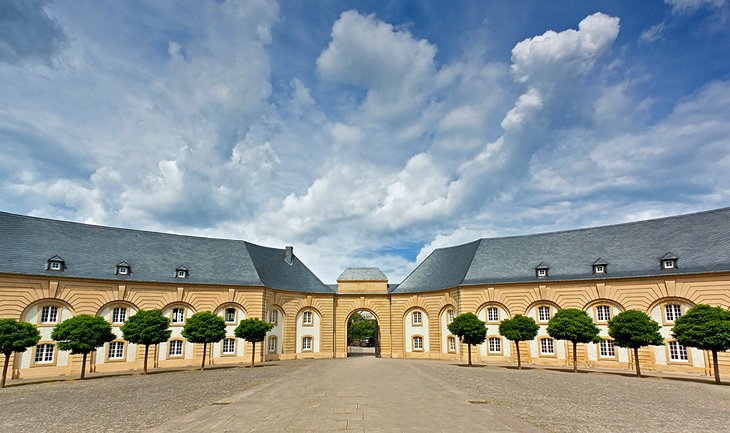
<point>202,365</point>
<point>715,366</point>
<point>83,366</point>
<point>253,353</point>
<point>146,352</point>
<point>519,361</point>
<point>5,368</point>
<point>469,350</point>
<point>575,357</point>
<point>636,361</point>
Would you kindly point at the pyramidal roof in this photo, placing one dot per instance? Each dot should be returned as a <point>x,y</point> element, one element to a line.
<point>699,241</point>
<point>93,252</point>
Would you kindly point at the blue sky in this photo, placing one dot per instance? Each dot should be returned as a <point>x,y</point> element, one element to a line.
<point>363,133</point>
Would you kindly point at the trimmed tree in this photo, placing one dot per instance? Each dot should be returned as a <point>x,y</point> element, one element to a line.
<point>253,330</point>
<point>469,329</point>
<point>519,328</point>
<point>204,327</point>
<point>575,326</point>
<point>634,329</point>
<point>16,337</point>
<point>707,328</point>
<point>82,334</point>
<point>146,328</point>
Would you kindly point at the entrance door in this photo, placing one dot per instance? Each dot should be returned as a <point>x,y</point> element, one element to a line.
<point>363,334</point>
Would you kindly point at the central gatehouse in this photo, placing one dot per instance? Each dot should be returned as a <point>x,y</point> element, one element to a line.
<point>52,270</point>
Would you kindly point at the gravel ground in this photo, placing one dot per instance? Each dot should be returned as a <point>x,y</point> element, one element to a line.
<point>126,403</point>
<point>558,401</point>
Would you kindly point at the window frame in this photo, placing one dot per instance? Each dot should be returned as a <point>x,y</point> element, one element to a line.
<point>113,309</point>
<point>54,354</point>
<point>488,317</point>
<point>311,343</point>
<point>669,264</point>
<point>55,265</point>
<point>274,339</point>
<point>599,349</point>
<point>306,313</point>
<point>122,270</point>
<point>223,346</point>
<point>537,313</point>
<point>108,349</point>
<point>489,346</point>
<point>451,339</point>
<point>597,315</point>
<point>181,273</point>
<point>275,312</point>
<point>542,354</point>
<point>415,322</point>
<point>57,320</point>
<point>225,314</point>
<point>668,348</point>
<point>172,315</point>
<point>182,348</point>
<point>450,315</point>
<point>413,343</point>
<point>665,317</point>
<point>599,269</point>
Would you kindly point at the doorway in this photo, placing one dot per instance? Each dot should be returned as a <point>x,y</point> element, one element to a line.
<point>363,334</point>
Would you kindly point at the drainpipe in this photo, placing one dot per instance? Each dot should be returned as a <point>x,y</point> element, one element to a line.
<point>334,325</point>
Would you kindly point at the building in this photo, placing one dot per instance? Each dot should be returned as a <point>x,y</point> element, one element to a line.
<point>51,270</point>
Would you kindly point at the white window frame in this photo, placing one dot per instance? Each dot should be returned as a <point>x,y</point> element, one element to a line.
<point>452,344</point>
<point>599,269</point>
<point>273,343</point>
<point>228,347</point>
<point>546,316</point>
<point>175,349</point>
<point>417,318</point>
<point>677,352</point>
<point>115,351</point>
<point>49,314</point>
<point>56,266</point>
<point>495,344</point>
<point>668,264</point>
<point>417,343</point>
<point>181,273</point>
<point>449,316</point>
<point>606,349</point>
<point>44,353</point>
<point>273,316</point>
<point>176,319</point>
<point>672,312</point>
<point>225,314</point>
<point>307,343</point>
<point>119,313</point>
<point>123,270</point>
<point>308,318</point>
<point>603,313</point>
<point>545,344</point>
<point>492,317</point>
<point>542,273</point>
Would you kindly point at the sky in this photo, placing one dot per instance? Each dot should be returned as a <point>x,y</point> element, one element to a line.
<point>363,133</point>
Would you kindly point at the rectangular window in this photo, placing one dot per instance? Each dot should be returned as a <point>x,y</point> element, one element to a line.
<point>44,353</point>
<point>307,343</point>
<point>672,312</point>
<point>417,343</point>
<point>119,315</point>
<point>417,318</point>
<point>116,350</point>
<point>178,315</point>
<point>175,348</point>
<point>677,352</point>
<point>230,315</point>
<point>543,313</point>
<point>606,349</point>
<point>603,313</point>
<point>56,266</point>
<point>273,316</point>
<point>450,316</point>
<point>495,345</point>
<point>272,344</point>
<point>547,346</point>
<point>229,346</point>
<point>308,317</point>
<point>49,314</point>
<point>452,344</point>
<point>492,314</point>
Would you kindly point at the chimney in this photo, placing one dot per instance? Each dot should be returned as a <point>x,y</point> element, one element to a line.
<point>288,254</point>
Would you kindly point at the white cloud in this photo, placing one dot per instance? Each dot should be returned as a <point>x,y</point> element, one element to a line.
<point>691,6</point>
<point>653,33</point>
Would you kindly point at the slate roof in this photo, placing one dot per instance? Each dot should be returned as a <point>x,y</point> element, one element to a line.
<point>700,241</point>
<point>362,274</point>
<point>89,251</point>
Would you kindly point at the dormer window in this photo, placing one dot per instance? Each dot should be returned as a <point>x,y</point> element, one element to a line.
<point>599,266</point>
<point>541,271</point>
<point>123,268</point>
<point>181,272</point>
<point>669,261</point>
<point>55,263</point>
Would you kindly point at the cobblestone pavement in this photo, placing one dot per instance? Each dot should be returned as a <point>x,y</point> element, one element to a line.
<point>359,394</point>
<point>561,401</point>
<point>126,403</point>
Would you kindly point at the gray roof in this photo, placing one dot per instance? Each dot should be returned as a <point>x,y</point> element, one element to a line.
<point>362,274</point>
<point>89,251</point>
<point>700,241</point>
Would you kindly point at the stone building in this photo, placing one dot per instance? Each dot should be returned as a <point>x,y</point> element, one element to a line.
<point>51,270</point>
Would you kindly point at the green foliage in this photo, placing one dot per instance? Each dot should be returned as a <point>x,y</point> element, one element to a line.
<point>146,328</point>
<point>17,336</point>
<point>359,327</point>
<point>574,325</point>
<point>204,327</point>
<point>82,334</point>
<point>633,329</point>
<point>519,328</point>
<point>704,327</point>
<point>468,328</point>
<point>253,330</point>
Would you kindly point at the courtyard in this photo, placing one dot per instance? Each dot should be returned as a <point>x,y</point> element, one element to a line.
<point>368,394</point>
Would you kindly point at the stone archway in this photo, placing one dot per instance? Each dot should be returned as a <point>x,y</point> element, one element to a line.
<point>362,333</point>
